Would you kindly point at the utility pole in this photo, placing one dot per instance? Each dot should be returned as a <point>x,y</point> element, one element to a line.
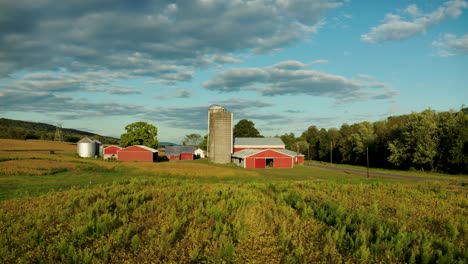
<point>367,150</point>
<point>58,132</point>
<point>297,151</point>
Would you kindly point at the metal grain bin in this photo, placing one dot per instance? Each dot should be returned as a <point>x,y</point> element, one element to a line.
<point>99,148</point>
<point>86,148</point>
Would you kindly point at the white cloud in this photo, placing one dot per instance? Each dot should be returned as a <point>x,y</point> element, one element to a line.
<point>450,45</point>
<point>394,27</point>
<point>321,61</point>
<point>292,77</point>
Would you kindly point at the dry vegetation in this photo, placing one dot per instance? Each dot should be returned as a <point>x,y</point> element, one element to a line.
<point>197,212</point>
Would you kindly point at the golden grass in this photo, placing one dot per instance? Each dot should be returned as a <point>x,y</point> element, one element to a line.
<point>34,167</point>
<point>36,145</point>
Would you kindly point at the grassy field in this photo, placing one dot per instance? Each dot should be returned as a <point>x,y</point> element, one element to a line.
<point>60,208</point>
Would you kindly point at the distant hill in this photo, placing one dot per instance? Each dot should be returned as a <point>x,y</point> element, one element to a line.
<point>16,129</point>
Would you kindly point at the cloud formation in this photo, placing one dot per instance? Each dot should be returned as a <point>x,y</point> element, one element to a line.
<point>138,36</point>
<point>450,45</point>
<point>293,77</point>
<point>395,27</point>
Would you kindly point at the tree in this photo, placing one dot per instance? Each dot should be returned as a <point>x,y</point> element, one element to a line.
<point>289,141</point>
<point>140,133</point>
<point>204,144</point>
<point>246,128</point>
<point>419,141</point>
<point>192,140</point>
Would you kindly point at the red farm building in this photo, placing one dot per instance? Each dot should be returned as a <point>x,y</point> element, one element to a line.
<point>264,153</point>
<point>138,153</point>
<point>241,143</point>
<point>180,152</point>
<point>110,152</point>
<point>265,158</point>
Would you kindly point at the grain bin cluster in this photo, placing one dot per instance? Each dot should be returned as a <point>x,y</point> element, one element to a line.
<point>89,148</point>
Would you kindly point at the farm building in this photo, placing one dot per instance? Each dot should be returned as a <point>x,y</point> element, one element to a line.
<point>200,153</point>
<point>138,153</point>
<point>264,158</point>
<point>86,148</point>
<point>180,152</point>
<point>241,143</point>
<point>110,152</point>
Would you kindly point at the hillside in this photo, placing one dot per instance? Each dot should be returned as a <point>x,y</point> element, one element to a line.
<point>17,129</point>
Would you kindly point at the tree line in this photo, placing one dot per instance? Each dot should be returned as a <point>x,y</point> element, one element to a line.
<point>428,141</point>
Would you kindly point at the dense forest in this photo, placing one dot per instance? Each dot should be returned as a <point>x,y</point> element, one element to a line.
<point>16,129</point>
<point>428,141</point>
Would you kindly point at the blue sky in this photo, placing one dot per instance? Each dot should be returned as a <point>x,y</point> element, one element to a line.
<point>284,64</point>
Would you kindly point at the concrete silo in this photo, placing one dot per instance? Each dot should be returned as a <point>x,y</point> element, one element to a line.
<point>86,148</point>
<point>220,137</point>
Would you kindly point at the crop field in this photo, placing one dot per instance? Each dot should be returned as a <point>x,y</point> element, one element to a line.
<point>61,208</point>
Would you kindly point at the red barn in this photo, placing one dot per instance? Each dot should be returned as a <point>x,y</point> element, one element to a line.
<point>180,152</point>
<point>241,143</point>
<point>110,152</point>
<point>264,158</point>
<point>138,153</point>
<point>300,159</point>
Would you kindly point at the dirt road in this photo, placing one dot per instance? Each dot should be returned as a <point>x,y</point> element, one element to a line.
<point>376,174</point>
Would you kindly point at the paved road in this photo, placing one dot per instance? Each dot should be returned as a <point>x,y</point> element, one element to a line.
<point>376,174</point>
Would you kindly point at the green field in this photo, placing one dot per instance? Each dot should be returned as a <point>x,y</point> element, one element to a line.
<point>91,211</point>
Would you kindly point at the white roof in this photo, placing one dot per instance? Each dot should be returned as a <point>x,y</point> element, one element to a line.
<point>144,147</point>
<point>249,152</point>
<point>251,141</point>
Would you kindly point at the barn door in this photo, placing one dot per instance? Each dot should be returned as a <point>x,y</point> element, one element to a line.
<point>260,163</point>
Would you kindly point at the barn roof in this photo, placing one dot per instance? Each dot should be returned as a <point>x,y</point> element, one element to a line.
<point>289,152</point>
<point>86,140</point>
<point>266,141</point>
<point>143,147</point>
<point>249,152</point>
<point>113,146</point>
<point>148,148</point>
<point>176,150</point>
<point>246,153</point>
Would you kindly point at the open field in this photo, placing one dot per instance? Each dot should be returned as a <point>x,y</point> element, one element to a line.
<point>62,208</point>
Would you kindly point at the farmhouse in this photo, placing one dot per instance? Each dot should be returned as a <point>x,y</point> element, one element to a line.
<point>138,153</point>
<point>264,158</point>
<point>111,151</point>
<point>180,152</point>
<point>200,153</point>
<point>241,143</point>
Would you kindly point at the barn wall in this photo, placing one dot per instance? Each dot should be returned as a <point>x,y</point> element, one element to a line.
<point>136,156</point>
<point>173,157</point>
<point>300,160</point>
<point>260,163</point>
<point>111,150</point>
<point>186,156</point>
<point>259,160</point>
<point>249,163</point>
<point>283,162</point>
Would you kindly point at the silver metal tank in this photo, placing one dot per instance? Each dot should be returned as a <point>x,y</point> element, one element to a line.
<point>86,148</point>
<point>99,148</point>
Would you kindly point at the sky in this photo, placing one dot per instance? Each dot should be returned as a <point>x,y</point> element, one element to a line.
<point>283,64</point>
